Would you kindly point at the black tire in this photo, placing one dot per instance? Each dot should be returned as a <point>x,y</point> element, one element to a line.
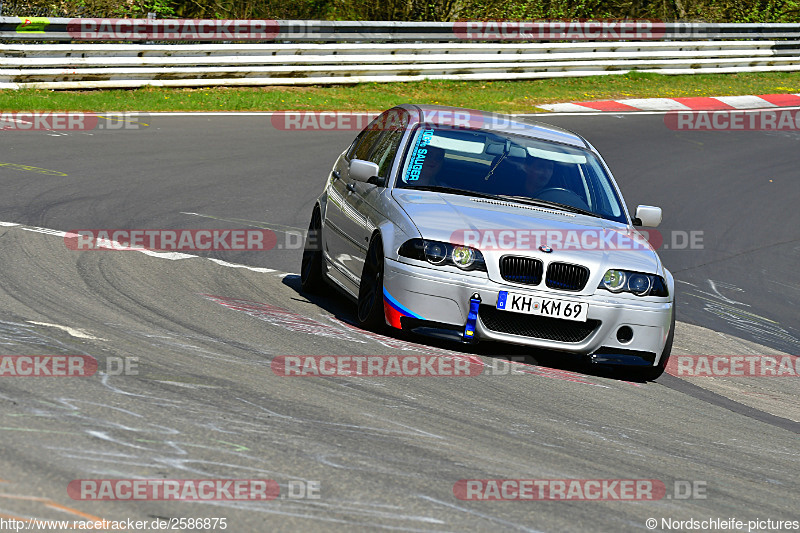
<point>370,293</point>
<point>312,279</point>
<point>654,372</point>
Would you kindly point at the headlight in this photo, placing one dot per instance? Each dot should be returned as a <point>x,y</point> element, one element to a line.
<point>463,256</point>
<point>636,283</point>
<point>443,253</point>
<point>435,252</point>
<point>614,280</point>
<point>639,284</point>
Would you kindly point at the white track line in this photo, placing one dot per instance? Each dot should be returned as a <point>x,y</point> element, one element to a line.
<point>46,231</point>
<point>79,333</point>
<point>234,265</point>
<point>172,256</point>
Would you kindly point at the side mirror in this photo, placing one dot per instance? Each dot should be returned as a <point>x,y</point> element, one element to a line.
<point>647,216</point>
<point>361,170</point>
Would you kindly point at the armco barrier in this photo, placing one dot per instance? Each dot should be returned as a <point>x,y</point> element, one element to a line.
<point>91,53</point>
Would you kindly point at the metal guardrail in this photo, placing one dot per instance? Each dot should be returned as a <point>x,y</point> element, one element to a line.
<point>331,52</point>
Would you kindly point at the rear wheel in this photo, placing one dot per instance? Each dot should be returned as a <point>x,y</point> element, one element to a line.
<point>311,277</point>
<point>370,293</point>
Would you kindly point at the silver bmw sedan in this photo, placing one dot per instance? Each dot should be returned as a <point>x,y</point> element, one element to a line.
<point>471,225</point>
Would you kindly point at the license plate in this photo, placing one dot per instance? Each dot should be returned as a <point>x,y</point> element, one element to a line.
<point>524,303</point>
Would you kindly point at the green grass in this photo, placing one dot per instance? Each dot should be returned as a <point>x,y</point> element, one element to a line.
<point>501,96</point>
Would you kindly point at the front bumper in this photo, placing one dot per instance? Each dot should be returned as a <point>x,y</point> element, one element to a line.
<point>415,295</point>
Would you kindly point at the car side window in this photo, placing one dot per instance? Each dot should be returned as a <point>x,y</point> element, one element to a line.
<point>385,151</point>
<point>393,124</point>
<point>354,145</point>
<point>368,137</point>
<point>372,143</point>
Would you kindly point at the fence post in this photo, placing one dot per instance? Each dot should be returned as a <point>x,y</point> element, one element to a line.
<point>151,16</point>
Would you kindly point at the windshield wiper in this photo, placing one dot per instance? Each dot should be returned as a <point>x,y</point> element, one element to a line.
<point>545,203</point>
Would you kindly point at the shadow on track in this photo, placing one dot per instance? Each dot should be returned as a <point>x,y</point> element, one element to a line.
<point>342,309</point>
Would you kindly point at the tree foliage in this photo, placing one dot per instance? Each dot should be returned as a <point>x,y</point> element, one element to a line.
<point>418,10</point>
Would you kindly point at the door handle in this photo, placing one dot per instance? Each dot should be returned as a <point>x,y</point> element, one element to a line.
<point>351,187</point>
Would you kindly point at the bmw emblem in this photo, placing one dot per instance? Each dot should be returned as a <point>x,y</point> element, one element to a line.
<point>546,249</point>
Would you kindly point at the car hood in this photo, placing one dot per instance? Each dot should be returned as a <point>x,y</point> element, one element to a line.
<point>485,223</point>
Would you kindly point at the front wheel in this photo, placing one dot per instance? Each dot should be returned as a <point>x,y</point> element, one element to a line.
<point>370,294</point>
<point>311,277</point>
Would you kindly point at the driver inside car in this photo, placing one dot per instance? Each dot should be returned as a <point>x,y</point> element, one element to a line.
<point>538,172</point>
<point>431,168</point>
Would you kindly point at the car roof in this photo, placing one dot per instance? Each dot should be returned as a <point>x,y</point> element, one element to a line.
<point>473,118</point>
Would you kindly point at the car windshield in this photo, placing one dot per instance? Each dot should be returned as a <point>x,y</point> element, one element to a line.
<point>511,167</point>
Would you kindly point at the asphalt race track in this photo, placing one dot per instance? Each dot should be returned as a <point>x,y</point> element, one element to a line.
<point>203,402</point>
